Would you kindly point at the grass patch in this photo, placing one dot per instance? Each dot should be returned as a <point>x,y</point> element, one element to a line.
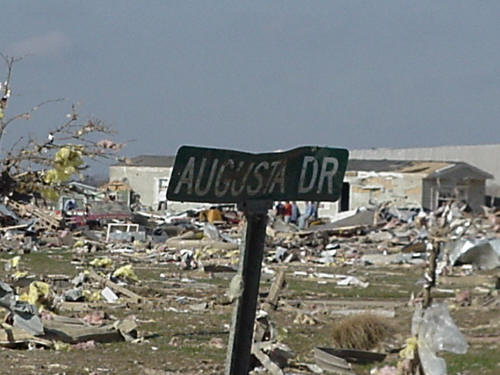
<point>300,288</point>
<point>484,361</point>
<point>53,261</point>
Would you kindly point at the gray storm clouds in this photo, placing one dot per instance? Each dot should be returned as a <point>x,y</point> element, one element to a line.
<point>262,75</point>
<point>48,43</point>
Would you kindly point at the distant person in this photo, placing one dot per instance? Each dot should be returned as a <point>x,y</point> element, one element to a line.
<point>135,204</point>
<point>162,203</point>
<point>314,210</point>
<point>287,211</point>
<point>69,205</point>
<point>278,209</point>
<point>295,213</point>
<point>309,215</point>
<point>464,206</point>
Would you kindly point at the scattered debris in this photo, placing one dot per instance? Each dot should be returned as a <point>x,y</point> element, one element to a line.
<point>183,253</point>
<point>25,315</point>
<point>483,253</point>
<point>328,361</point>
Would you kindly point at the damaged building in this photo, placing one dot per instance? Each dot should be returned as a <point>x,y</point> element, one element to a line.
<point>410,184</point>
<point>480,156</point>
<point>147,175</point>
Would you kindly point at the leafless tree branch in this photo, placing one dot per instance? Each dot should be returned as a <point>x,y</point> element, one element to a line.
<point>29,159</point>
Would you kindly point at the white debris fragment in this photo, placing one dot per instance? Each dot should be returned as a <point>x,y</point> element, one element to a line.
<point>109,295</point>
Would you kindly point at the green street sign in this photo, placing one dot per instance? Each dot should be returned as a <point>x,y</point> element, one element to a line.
<point>227,176</point>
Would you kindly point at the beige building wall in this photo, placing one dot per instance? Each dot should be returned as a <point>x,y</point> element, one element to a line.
<point>144,181</point>
<point>371,189</point>
<point>476,194</point>
<point>472,191</point>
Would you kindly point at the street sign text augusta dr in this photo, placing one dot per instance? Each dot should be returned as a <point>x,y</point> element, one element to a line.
<point>226,176</point>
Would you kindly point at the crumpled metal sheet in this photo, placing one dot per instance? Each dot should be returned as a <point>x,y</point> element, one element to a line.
<point>482,253</point>
<point>25,314</point>
<point>26,317</point>
<point>5,211</point>
<point>7,298</point>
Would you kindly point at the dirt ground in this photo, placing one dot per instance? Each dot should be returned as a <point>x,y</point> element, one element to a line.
<point>185,318</point>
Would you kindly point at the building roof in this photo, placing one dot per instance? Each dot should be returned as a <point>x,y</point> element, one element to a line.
<point>461,170</point>
<point>432,169</point>
<point>367,165</point>
<point>159,161</point>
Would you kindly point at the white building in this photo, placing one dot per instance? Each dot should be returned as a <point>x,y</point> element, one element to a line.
<point>147,175</point>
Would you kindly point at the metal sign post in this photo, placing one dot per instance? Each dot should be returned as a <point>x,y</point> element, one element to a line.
<point>254,181</point>
<point>252,250</point>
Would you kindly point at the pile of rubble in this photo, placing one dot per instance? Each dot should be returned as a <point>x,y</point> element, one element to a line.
<point>37,317</point>
<point>37,308</point>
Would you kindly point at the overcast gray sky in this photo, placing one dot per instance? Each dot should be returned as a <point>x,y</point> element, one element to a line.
<point>261,75</point>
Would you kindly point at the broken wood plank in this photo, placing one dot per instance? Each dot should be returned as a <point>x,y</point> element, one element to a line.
<point>264,359</point>
<point>85,306</point>
<point>74,333</point>
<point>277,285</point>
<point>379,312</point>
<point>13,337</point>
<point>75,330</point>
<point>200,244</point>
<point>355,303</point>
<point>131,295</point>
<point>12,227</point>
<point>45,219</point>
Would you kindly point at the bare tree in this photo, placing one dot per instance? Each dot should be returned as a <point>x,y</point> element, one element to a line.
<point>32,165</point>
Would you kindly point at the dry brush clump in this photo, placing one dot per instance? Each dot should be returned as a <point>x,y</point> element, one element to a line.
<point>361,331</point>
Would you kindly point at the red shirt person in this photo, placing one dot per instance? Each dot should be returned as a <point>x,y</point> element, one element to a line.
<point>287,211</point>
